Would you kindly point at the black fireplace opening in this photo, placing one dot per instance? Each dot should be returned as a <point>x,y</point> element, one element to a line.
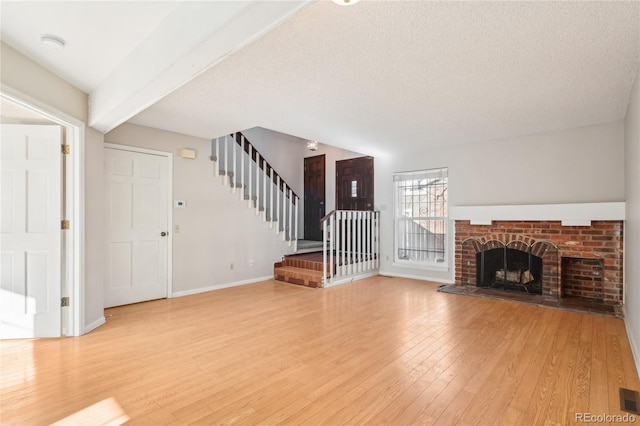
<point>509,269</point>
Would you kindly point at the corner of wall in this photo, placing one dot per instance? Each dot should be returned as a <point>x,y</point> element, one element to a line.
<point>632,222</point>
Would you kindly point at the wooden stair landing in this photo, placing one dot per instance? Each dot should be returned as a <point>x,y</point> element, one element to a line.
<point>305,269</point>
<point>302,269</point>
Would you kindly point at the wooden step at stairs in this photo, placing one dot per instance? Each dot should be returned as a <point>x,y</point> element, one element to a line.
<point>302,269</point>
<point>306,268</point>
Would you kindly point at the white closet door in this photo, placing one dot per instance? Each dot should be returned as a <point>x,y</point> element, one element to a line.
<point>137,203</point>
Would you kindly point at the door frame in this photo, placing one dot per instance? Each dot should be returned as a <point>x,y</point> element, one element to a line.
<point>72,250</point>
<point>169,157</point>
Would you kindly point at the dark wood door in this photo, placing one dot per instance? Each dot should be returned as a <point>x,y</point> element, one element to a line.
<point>354,184</point>
<point>314,197</point>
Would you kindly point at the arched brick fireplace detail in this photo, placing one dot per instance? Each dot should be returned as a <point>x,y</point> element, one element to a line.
<point>578,247</point>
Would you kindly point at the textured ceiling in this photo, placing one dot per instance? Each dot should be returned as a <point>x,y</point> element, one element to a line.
<point>376,77</point>
<point>384,76</point>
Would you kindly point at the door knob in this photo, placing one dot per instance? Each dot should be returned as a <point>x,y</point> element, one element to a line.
<point>163,234</point>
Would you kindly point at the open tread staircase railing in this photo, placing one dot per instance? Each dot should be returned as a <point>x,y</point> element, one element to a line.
<point>244,168</point>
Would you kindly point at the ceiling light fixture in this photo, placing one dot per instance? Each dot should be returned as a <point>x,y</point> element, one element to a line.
<point>345,2</point>
<point>52,42</point>
<point>312,146</point>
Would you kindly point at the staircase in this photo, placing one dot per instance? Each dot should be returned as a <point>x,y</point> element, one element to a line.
<point>350,246</point>
<point>250,175</point>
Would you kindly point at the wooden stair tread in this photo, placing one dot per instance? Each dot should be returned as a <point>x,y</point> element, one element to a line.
<point>295,269</point>
<point>299,276</point>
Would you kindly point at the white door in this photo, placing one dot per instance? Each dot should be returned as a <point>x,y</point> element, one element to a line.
<point>30,232</point>
<point>137,211</point>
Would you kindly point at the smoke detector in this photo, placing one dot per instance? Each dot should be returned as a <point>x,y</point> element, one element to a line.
<point>52,42</point>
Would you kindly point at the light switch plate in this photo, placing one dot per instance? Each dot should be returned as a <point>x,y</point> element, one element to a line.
<point>180,204</point>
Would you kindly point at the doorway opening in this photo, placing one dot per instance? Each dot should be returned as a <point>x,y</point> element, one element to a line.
<point>18,109</point>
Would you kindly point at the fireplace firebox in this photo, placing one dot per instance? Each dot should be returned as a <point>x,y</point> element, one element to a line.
<point>509,269</point>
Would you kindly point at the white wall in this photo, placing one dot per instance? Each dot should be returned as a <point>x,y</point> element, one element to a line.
<point>570,166</point>
<point>216,229</point>
<point>22,74</point>
<point>94,228</point>
<point>632,223</point>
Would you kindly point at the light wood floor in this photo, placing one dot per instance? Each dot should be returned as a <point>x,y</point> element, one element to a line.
<point>376,351</point>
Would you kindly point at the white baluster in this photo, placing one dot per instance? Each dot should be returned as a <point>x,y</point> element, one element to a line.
<point>354,242</point>
<point>217,166</point>
<point>225,180</point>
<point>295,225</point>
<point>331,236</point>
<point>363,240</point>
<point>271,199</point>
<point>241,167</point>
<point>290,216</point>
<point>324,252</point>
<point>363,254</point>
<point>234,175</point>
<point>351,242</point>
<point>377,239</point>
<point>277,204</point>
<point>369,254</point>
<point>285,216</point>
<point>343,245</point>
<point>250,183</point>
<point>258,183</point>
<point>360,245</point>
<point>264,191</point>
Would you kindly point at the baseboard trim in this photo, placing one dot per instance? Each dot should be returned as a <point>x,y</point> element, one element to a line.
<point>635,349</point>
<point>351,278</point>
<point>220,286</point>
<point>97,323</point>
<point>415,277</point>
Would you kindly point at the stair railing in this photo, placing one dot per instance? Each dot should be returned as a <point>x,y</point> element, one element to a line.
<point>243,168</point>
<point>350,244</point>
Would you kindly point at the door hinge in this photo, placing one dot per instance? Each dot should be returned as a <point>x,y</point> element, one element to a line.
<point>65,224</point>
<point>64,301</point>
<point>66,149</point>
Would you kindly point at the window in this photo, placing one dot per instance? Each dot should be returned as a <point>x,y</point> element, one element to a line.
<point>421,216</point>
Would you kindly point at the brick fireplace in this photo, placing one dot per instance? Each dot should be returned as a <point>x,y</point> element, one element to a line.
<point>543,257</point>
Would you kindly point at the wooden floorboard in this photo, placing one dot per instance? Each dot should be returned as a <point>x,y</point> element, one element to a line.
<point>377,351</point>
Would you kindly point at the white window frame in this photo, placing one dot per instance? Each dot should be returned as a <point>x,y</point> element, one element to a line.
<point>400,222</point>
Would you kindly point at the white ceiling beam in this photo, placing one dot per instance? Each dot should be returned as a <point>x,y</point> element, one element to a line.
<point>194,37</point>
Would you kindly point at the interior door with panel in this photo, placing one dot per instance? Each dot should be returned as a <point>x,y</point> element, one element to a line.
<point>354,184</point>
<point>30,231</point>
<point>137,211</point>
<point>314,196</point>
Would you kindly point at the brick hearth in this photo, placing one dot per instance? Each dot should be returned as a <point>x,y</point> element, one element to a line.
<point>591,255</point>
